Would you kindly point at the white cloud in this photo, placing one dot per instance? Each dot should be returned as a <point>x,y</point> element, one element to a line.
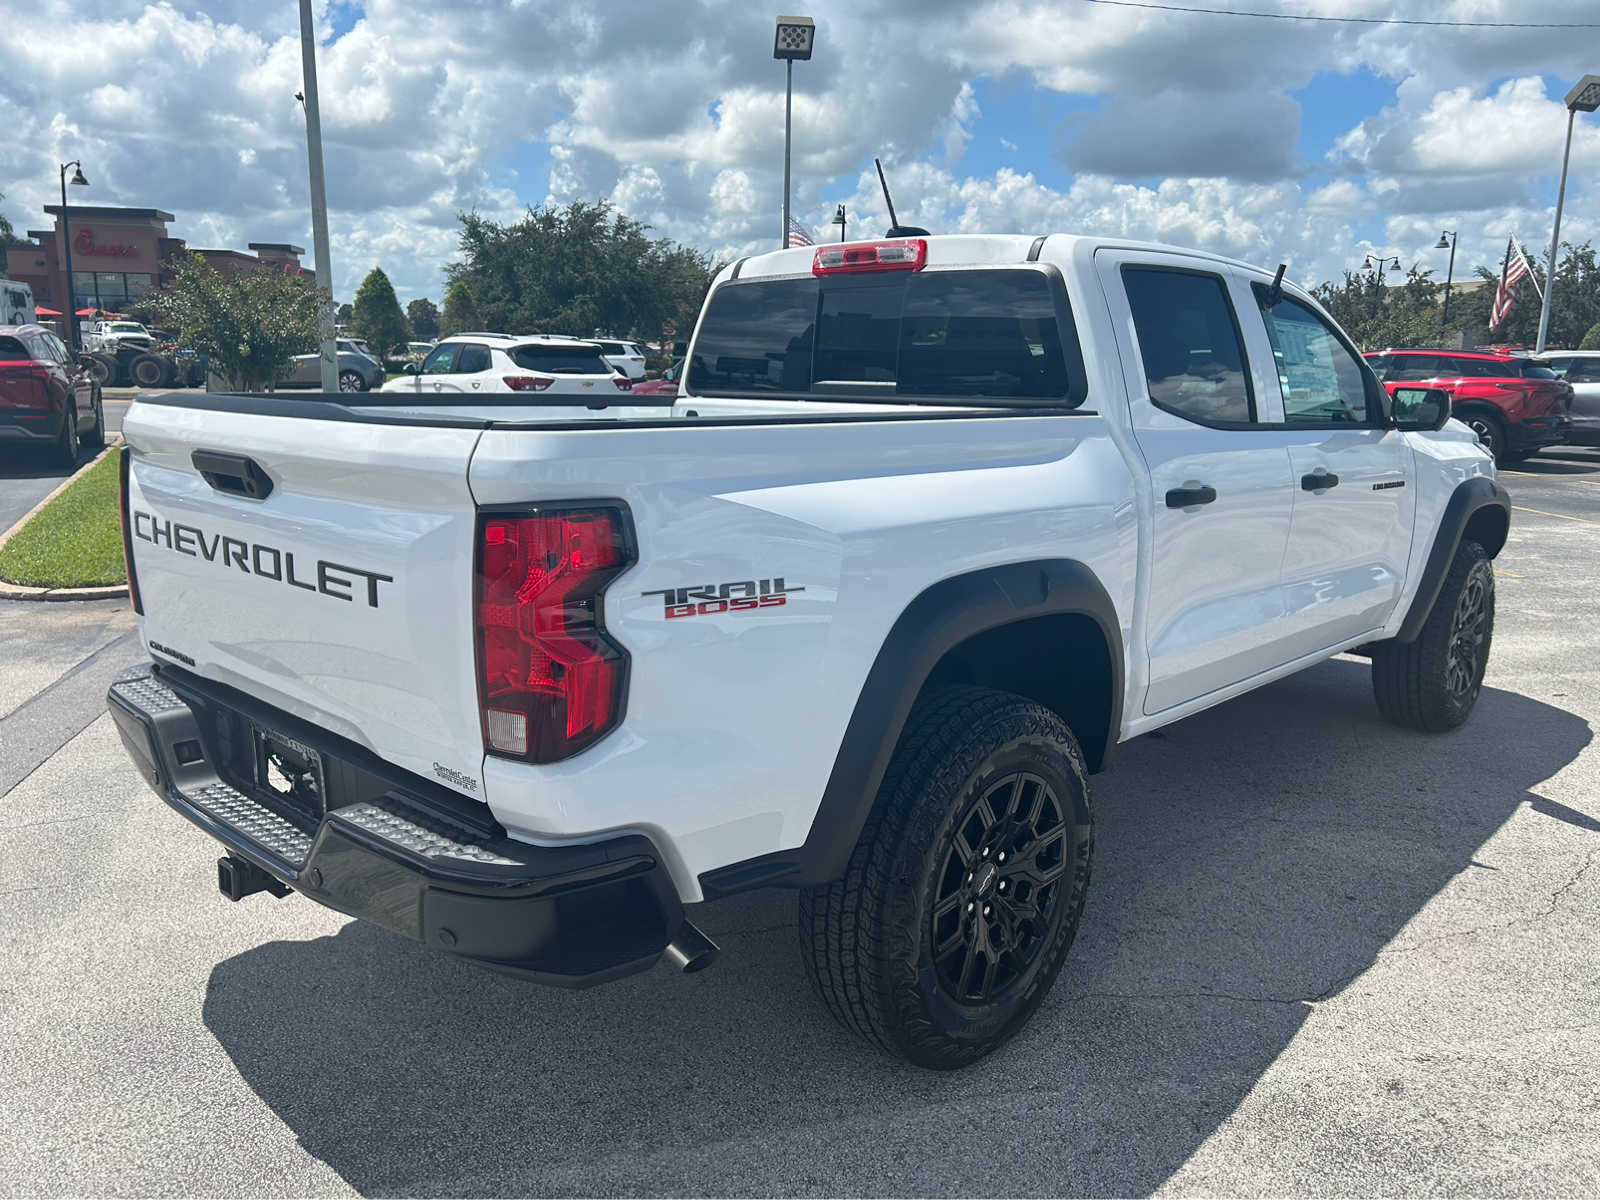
<point>674,112</point>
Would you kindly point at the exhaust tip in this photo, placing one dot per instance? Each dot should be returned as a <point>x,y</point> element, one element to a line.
<point>691,950</point>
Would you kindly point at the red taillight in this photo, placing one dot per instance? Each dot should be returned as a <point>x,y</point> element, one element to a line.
<point>901,254</point>
<point>623,384</point>
<point>124,466</point>
<point>527,383</point>
<point>550,680</point>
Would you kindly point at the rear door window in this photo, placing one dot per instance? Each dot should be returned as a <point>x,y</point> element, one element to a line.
<point>12,348</point>
<point>472,359</point>
<point>1407,367</point>
<point>1189,344</point>
<point>975,334</point>
<point>560,360</point>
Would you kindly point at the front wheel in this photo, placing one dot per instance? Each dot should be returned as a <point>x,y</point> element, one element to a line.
<point>1433,682</point>
<point>148,371</point>
<point>964,890</point>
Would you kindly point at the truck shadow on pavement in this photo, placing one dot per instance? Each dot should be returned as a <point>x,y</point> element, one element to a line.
<point>1249,861</point>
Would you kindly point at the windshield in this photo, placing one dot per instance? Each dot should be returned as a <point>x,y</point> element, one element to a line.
<point>890,336</point>
<point>127,327</point>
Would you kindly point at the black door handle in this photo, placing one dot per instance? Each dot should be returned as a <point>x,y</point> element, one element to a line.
<point>1190,497</point>
<point>1318,480</point>
<point>232,473</point>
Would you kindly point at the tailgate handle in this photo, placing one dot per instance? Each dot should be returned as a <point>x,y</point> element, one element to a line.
<point>232,473</point>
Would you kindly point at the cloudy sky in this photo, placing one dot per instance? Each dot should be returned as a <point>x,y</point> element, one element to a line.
<point>1271,140</point>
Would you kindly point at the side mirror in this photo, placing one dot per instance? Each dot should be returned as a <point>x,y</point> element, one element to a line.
<point>412,369</point>
<point>1421,409</point>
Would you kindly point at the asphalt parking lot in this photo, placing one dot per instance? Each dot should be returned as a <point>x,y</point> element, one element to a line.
<point>1320,955</point>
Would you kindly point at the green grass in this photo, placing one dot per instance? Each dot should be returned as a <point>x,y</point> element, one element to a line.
<point>76,540</point>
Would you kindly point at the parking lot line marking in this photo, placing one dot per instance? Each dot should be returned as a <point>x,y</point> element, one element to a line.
<point>1541,475</point>
<point>1563,516</point>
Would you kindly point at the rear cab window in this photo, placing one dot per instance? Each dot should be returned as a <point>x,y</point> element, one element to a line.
<point>965,334</point>
<point>1190,344</point>
<point>560,360</point>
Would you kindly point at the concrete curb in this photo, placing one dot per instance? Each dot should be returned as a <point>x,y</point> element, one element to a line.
<point>18,591</point>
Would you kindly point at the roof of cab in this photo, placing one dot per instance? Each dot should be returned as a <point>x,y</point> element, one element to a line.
<point>962,249</point>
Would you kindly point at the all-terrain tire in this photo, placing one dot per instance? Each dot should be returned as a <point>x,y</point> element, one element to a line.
<point>871,941</point>
<point>1432,683</point>
<point>102,369</point>
<point>148,371</point>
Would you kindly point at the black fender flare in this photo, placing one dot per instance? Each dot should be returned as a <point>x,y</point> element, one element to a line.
<point>1470,497</point>
<point>937,620</point>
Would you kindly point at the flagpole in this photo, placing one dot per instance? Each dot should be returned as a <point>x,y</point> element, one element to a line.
<point>1505,268</point>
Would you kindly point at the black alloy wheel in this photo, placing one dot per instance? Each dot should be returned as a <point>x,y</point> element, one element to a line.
<point>997,891</point>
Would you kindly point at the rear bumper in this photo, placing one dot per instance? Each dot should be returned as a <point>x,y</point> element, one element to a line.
<point>1533,432</point>
<point>569,915</point>
<point>32,425</point>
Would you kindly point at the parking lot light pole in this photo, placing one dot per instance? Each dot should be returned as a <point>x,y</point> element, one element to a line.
<point>1450,272</point>
<point>1584,97</point>
<point>71,309</point>
<point>793,40</point>
<point>319,202</point>
<point>1378,265</point>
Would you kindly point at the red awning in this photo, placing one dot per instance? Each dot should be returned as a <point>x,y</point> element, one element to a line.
<point>42,311</point>
<point>88,312</point>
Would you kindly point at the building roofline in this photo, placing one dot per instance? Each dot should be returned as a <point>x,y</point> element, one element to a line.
<point>108,212</point>
<point>284,246</point>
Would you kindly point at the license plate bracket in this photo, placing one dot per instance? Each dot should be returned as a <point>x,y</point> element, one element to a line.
<point>290,772</point>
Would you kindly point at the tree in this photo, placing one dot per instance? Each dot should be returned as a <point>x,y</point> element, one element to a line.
<point>460,310</point>
<point>1591,340</point>
<point>377,318</point>
<point>424,318</point>
<point>584,269</point>
<point>345,313</point>
<point>1406,314</point>
<point>250,326</point>
<point>1574,308</point>
<point>8,236</point>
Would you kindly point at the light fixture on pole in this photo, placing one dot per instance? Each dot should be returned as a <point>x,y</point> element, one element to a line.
<point>66,241</point>
<point>1379,265</point>
<point>1584,97</point>
<point>838,219</point>
<point>1450,272</point>
<point>794,39</point>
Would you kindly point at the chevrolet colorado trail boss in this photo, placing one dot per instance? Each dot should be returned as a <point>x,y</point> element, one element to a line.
<point>933,525</point>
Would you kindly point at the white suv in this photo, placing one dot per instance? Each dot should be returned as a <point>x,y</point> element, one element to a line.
<point>497,362</point>
<point>627,357</point>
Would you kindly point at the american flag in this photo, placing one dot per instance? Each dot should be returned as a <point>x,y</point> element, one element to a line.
<point>798,235</point>
<point>1516,266</point>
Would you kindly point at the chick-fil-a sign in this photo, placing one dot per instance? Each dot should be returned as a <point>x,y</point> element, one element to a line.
<point>84,243</point>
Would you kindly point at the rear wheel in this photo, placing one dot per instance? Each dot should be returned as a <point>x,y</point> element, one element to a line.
<point>148,371</point>
<point>964,890</point>
<point>1491,431</point>
<point>111,369</point>
<point>1433,682</point>
<point>351,381</point>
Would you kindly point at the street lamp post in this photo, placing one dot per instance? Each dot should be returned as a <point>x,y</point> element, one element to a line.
<point>1379,265</point>
<point>1450,273</point>
<point>793,40</point>
<point>66,242</point>
<point>1584,97</point>
<point>319,203</point>
<point>838,219</point>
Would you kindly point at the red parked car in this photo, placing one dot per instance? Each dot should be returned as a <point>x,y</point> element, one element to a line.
<point>667,385</point>
<point>1515,405</point>
<point>47,395</point>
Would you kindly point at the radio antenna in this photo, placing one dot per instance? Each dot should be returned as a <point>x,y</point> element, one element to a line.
<point>895,228</point>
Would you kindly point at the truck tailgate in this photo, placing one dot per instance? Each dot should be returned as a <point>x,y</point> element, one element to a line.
<point>343,595</point>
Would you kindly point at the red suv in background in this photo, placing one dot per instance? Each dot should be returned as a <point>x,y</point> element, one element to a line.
<point>1515,405</point>
<point>47,395</point>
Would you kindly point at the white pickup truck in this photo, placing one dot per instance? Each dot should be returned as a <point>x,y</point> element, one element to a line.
<point>934,524</point>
